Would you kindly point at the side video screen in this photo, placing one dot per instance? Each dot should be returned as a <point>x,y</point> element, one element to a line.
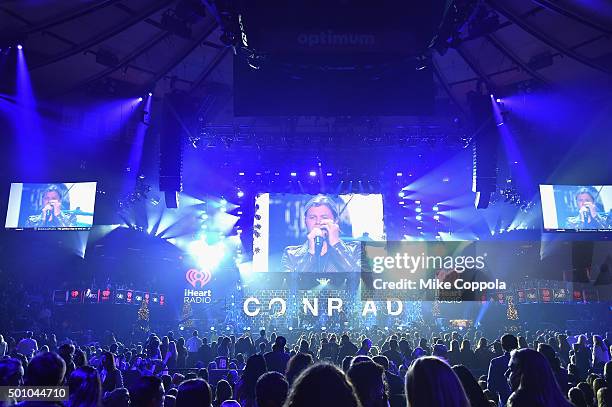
<point>55,206</point>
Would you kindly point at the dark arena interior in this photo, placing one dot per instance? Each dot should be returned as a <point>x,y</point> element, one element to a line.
<point>265,203</point>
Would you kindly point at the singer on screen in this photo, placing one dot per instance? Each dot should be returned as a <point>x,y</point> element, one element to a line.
<point>588,215</point>
<point>52,213</point>
<point>323,250</point>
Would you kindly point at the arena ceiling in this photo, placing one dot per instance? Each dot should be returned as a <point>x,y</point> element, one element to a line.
<point>73,46</point>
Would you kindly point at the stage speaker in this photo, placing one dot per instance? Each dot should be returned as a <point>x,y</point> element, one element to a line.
<point>482,199</point>
<point>485,142</point>
<point>172,134</point>
<point>172,199</point>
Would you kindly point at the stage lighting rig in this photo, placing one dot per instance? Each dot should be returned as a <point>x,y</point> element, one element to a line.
<point>139,194</point>
<point>511,195</point>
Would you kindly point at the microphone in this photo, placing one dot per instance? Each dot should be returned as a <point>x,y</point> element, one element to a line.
<point>318,241</point>
<point>585,214</point>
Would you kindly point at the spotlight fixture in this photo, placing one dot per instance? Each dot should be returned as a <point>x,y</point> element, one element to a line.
<point>140,99</point>
<point>312,173</point>
<point>422,62</point>
<point>19,46</point>
<point>150,94</point>
<point>240,194</point>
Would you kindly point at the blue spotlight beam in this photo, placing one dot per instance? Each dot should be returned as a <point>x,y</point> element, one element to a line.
<point>513,152</point>
<point>31,140</point>
<point>141,130</point>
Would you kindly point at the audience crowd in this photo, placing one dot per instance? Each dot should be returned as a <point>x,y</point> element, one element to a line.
<point>382,368</point>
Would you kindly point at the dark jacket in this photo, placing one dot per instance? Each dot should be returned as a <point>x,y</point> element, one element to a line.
<point>112,381</point>
<point>496,379</point>
<point>344,257</point>
<point>277,361</point>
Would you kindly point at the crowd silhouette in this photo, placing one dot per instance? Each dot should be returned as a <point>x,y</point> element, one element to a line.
<point>361,369</point>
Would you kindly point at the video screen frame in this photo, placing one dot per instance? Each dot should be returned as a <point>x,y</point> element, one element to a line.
<point>576,208</point>
<point>51,206</point>
<point>280,231</point>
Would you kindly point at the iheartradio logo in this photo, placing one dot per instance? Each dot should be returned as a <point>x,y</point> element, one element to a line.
<point>194,277</point>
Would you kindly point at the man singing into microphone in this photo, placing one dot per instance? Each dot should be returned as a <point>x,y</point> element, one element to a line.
<point>51,214</point>
<point>588,216</point>
<point>323,250</point>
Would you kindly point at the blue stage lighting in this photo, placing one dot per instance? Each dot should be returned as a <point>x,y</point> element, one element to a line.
<point>418,210</point>
<point>294,174</point>
<point>140,99</point>
<point>150,94</point>
<point>435,208</point>
<point>239,194</point>
<point>419,217</point>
